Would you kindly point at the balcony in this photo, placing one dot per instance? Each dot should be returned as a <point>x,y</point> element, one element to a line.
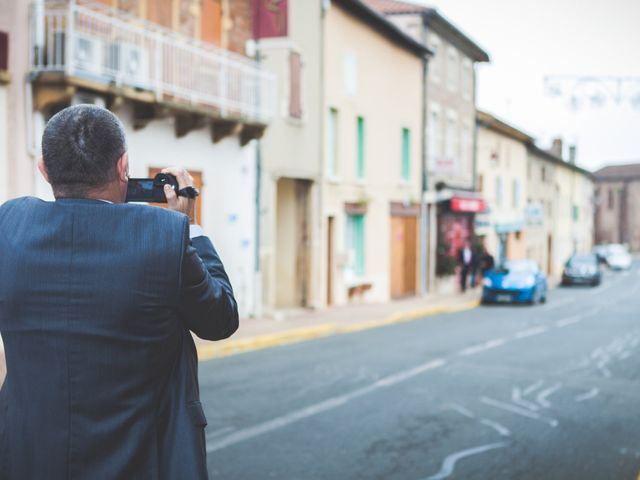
<point>99,45</point>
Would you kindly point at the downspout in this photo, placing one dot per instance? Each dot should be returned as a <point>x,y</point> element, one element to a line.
<point>424,214</point>
<point>257,295</point>
<point>323,264</point>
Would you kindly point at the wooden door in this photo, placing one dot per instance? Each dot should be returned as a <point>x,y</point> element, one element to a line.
<point>197,181</point>
<point>330,227</point>
<point>403,256</point>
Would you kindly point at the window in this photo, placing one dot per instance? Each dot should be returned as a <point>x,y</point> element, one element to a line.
<point>295,85</point>
<point>452,70</point>
<point>355,243</point>
<point>499,191</point>
<point>467,79</point>
<point>611,199</point>
<point>332,143</point>
<point>451,142</point>
<point>360,148</point>
<point>435,70</point>
<point>434,140</point>
<point>467,150</point>
<point>406,154</point>
<point>351,73</point>
<point>575,213</point>
<point>543,174</point>
<point>516,194</point>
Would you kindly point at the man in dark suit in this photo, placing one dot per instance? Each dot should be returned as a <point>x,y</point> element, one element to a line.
<point>466,259</point>
<point>97,302</point>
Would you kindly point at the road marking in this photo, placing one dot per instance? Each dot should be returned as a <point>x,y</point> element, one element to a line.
<point>519,411</point>
<point>501,429</point>
<point>219,432</point>
<point>558,304</point>
<point>533,387</point>
<point>541,398</point>
<point>482,347</point>
<point>531,332</point>
<point>449,463</point>
<point>568,321</point>
<point>587,395</point>
<point>516,397</point>
<point>317,408</point>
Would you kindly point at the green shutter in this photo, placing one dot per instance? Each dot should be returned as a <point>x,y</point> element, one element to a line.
<point>406,154</point>
<point>360,153</point>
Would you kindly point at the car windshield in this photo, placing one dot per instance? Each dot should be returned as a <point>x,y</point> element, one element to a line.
<point>582,260</point>
<point>617,250</point>
<point>520,266</point>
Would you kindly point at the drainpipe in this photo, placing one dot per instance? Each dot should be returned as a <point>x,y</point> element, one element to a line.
<point>257,294</point>
<point>424,214</point>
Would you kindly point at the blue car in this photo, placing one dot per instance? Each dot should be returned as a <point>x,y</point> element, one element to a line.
<point>516,281</point>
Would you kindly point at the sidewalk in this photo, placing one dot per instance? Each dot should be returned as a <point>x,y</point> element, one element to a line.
<point>297,326</point>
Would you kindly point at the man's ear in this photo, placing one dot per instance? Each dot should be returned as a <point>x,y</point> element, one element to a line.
<point>122,167</point>
<point>43,169</point>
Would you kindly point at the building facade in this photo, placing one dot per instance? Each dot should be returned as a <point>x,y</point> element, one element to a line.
<point>502,179</point>
<point>617,215</point>
<point>371,176</point>
<point>176,73</point>
<point>450,190</point>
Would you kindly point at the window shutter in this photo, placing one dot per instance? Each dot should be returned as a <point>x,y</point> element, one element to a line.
<point>295,82</point>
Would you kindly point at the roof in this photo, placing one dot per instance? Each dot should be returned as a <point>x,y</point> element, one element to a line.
<point>618,172</point>
<point>492,122</point>
<point>375,19</point>
<point>552,158</point>
<point>431,16</point>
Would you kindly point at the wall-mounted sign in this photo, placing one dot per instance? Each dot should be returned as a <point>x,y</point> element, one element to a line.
<point>534,213</point>
<point>270,18</point>
<point>467,205</point>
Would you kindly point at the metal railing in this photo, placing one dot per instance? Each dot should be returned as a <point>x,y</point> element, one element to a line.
<point>102,44</point>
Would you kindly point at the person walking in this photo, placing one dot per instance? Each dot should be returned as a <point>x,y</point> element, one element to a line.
<point>98,299</point>
<point>466,259</point>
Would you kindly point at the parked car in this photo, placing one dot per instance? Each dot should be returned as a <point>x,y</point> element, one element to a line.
<point>516,281</point>
<point>617,257</point>
<point>582,270</point>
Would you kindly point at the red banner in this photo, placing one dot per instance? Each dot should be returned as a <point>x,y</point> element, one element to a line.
<point>467,205</point>
<point>270,18</point>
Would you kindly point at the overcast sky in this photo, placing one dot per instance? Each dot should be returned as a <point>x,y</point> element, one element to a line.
<point>528,40</point>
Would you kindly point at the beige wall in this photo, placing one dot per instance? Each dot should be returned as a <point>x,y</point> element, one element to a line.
<point>388,96</point>
<point>291,148</point>
<point>14,19</point>
<point>4,178</point>
<point>502,158</point>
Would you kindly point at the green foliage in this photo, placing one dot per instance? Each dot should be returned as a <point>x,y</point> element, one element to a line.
<point>445,263</point>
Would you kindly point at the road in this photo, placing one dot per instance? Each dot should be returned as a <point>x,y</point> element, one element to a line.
<point>498,392</point>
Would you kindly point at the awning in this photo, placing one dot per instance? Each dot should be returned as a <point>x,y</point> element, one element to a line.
<point>468,205</point>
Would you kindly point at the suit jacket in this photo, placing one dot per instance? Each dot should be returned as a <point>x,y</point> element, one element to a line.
<point>97,302</point>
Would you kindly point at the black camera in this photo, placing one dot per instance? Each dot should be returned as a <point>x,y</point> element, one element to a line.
<point>152,189</point>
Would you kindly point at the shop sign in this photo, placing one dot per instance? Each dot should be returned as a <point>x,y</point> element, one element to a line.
<point>467,205</point>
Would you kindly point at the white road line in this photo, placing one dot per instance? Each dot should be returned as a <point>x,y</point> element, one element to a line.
<point>482,347</point>
<point>519,411</point>
<point>541,398</point>
<point>516,397</point>
<point>501,429</point>
<point>449,462</point>
<point>558,304</point>
<point>587,395</point>
<point>219,432</point>
<point>531,332</point>
<point>568,321</point>
<point>533,387</point>
<point>317,408</point>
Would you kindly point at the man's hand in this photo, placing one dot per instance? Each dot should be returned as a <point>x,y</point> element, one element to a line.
<point>180,204</point>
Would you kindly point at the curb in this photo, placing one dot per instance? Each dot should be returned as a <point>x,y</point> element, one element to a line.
<point>211,351</point>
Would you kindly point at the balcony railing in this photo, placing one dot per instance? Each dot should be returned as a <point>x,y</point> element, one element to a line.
<point>98,43</point>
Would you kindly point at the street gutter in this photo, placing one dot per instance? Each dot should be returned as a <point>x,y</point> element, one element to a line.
<point>212,351</point>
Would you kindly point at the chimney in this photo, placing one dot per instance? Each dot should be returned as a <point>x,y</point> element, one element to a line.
<point>556,147</point>
<point>572,154</point>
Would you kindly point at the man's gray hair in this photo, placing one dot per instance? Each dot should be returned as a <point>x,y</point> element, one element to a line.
<point>81,146</point>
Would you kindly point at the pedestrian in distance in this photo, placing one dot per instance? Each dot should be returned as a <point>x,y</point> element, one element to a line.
<point>466,260</point>
<point>486,261</point>
<point>98,299</point>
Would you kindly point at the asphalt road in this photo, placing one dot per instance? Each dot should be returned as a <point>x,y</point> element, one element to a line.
<point>499,392</point>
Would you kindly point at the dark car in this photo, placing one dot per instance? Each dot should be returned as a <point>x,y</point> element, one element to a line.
<point>582,270</point>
